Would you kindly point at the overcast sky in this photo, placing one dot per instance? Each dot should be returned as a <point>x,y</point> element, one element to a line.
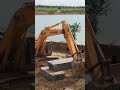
<point>110,25</point>
<point>8,9</point>
<point>60,2</point>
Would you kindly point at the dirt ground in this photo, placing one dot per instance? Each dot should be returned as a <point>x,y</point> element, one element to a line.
<point>16,84</point>
<point>69,83</point>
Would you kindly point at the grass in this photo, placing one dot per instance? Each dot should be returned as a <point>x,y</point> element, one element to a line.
<point>53,10</point>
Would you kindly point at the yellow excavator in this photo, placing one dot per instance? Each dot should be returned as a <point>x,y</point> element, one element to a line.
<point>41,49</point>
<point>12,44</point>
<point>49,31</point>
<point>98,71</point>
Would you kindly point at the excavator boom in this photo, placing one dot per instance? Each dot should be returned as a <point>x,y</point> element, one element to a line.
<point>41,41</point>
<point>96,50</point>
<point>98,67</point>
<point>12,44</point>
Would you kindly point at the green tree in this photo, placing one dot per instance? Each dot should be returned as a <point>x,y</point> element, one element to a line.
<point>76,27</point>
<point>96,8</point>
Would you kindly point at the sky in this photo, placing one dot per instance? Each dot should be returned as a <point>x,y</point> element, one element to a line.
<point>110,25</point>
<point>48,20</point>
<point>8,12</point>
<point>60,2</point>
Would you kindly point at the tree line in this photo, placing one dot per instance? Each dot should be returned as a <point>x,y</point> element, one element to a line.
<point>60,6</point>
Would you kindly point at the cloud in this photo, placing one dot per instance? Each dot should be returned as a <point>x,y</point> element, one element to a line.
<point>61,2</point>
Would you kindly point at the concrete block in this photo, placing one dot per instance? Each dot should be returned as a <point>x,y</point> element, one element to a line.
<point>51,75</point>
<point>61,64</point>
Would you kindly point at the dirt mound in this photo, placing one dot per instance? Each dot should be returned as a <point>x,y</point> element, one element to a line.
<point>78,69</point>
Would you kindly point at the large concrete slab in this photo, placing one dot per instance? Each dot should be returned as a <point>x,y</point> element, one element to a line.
<point>60,64</point>
<point>51,75</point>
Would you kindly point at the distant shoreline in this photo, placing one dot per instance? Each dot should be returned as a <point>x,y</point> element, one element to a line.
<point>45,10</point>
<point>67,13</point>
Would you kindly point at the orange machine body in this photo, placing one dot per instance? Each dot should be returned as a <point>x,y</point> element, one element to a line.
<point>12,44</point>
<point>41,41</point>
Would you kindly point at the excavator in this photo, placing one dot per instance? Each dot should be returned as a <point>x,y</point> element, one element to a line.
<point>98,68</point>
<point>12,44</point>
<point>40,45</point>
<point>42,50</point>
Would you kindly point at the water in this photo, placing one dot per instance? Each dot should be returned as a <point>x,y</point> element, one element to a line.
<point>42,21</point>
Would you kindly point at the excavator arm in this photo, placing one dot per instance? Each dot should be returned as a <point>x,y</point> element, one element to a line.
<point>96,58</point>
<point>98,67</point>
<point>41,41</point>
<point>71,42</point>
<point>12,44</point>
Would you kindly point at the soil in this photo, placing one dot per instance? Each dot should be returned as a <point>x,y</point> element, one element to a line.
<point>69,83</point>
<point>16,84</point>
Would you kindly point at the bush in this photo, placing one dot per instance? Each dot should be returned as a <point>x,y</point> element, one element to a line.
<point>76,27</point>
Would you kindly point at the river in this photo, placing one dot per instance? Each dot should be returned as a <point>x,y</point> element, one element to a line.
<point>42,21</point>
